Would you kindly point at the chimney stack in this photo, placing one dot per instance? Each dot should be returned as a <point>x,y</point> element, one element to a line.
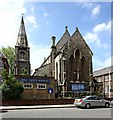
<point>53,41</point>
<point>44,59</point>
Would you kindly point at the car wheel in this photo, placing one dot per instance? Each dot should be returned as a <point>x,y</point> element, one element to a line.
<point>87,105</point>
<point>107,105</point>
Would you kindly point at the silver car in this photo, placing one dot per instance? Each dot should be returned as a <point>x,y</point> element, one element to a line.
<point>111,103</point>
<point>91,101</point>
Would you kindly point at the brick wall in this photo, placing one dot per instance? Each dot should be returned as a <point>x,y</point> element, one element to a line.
<point>27,102</point>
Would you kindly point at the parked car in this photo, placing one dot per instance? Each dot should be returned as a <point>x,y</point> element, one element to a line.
<point>111,103</point>
<point>91,101</point>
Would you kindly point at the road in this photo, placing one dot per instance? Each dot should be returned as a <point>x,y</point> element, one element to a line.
<point>59,113</point>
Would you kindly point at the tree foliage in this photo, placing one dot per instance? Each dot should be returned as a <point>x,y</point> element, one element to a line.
<point>24,72</point>
<point>11,88</point>
<point>9,52</point>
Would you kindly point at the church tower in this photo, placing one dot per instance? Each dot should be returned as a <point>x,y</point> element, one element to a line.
<point>22,52</point>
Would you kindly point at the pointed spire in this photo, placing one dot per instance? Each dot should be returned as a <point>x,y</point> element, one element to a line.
<point>66,28</point>
<point>22,37</point>
<point>22,21</point>
<point>76,28</point>
<point>77,32</point>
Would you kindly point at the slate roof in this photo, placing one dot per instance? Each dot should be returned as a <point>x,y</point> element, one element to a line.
<point>103,71</point>
<point>66,37</point>
<point>79,35</point>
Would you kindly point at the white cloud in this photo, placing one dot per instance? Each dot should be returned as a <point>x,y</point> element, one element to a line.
<point>91,6</point>
<point>10,11</point>
<point>47,22</point>
<point>99,27</point>
<point>94,36</point>
<point>107,62</point>
<point>45,14</point>
<point>109,26</point>
<point>87,5</point>
<point>37,55</point>
<point>96,10</point>
<point>32,20</point>
<point>99,64</point>
<point>91,37</point>
<point>103,26</point>
<point>32,9</point>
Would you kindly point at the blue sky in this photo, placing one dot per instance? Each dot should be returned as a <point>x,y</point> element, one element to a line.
<point>45,19</point>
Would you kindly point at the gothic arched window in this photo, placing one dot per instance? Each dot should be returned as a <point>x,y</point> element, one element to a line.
<point>77,64</point>
<point>72,67</point>
<point>83,62</point>
<point>22,55</point>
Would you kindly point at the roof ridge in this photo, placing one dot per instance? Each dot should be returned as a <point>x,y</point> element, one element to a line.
<point>77,30</point>
<point>63,35</point>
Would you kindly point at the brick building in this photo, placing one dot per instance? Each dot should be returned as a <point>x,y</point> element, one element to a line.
<point>70,63</point>
<point>39,87</point>
<point>104,78</point>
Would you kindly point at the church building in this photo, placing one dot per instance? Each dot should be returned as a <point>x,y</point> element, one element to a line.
<point>39,87</point>
<point>22,52</point>
<point>69,62</point>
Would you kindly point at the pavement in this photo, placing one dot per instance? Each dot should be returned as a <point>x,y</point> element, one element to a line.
<point>35,107</point>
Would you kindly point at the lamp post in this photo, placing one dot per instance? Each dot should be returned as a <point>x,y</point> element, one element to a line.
<point>109,85</point>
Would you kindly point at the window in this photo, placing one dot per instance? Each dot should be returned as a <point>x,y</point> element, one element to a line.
<point>96,98</point>
<point>107,89</point>
<point>107,77</point>
<point>99,80</point>
<point>22,55</point>
<point>28,86</point>
<point>64,75</point>
<point>60,69</point>
<point>64,65</point>
<point>56,70</point>
<point>41,86</point>
<point>90,98</point>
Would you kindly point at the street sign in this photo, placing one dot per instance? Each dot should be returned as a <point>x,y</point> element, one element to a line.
<point>35,80</point>
<point>50,90</point>
<point>77,87</point>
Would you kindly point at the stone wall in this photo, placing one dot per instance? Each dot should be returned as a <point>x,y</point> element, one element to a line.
<point>43,71</point>
<point>79,60</point>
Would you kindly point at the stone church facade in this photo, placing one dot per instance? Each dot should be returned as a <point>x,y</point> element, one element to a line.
<point>22,52</point>
<point>69,62</point>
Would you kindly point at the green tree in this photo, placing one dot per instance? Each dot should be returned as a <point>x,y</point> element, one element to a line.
<point>11,88</point>
<point>9,52</point>
<point>24,72</point>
